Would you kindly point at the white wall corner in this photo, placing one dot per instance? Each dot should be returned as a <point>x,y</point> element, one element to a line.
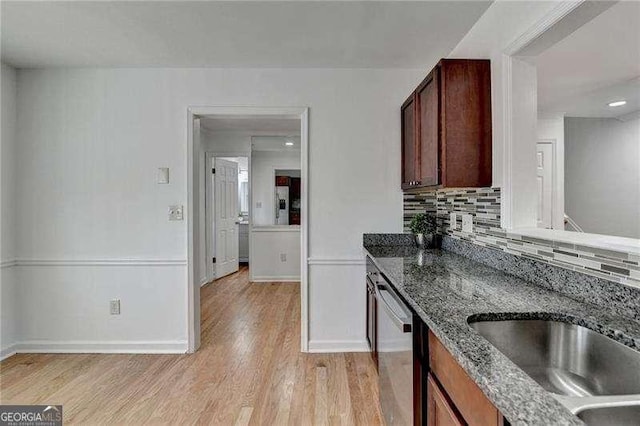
<point>8,351</point>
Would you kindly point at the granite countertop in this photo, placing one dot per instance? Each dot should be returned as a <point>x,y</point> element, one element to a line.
<point>445,289</point>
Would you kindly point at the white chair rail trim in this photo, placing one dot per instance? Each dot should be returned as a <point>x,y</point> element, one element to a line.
<point>94,262</point>
<point>336,261</point>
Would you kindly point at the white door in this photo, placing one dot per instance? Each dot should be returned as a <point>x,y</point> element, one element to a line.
<point>544,153</point>
<point>226,217</point>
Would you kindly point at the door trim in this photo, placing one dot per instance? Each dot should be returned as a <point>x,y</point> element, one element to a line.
<point>554,182</point>
<point>193,288</point>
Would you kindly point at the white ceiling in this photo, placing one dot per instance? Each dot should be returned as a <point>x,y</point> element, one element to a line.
<point>275,143</point>
<point>252,124</point>
<point>322,34</point>
<point>597,64</point>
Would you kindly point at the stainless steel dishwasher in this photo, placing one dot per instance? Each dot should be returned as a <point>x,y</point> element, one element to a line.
<point>395,356</point>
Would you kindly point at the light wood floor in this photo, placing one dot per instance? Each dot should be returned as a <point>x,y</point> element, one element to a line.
<point>249,370</point>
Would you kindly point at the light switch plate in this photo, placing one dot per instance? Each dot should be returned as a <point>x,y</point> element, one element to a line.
<point>453,221</point>
<point>175,213</point>
<point>467,223</point>
<point>163,175</point>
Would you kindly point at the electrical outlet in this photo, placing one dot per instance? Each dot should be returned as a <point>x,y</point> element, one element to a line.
<point>283,257</point>
<point>175,213</point>
<point>453,221</point>
<point>467,223</point>
<point>258,204</point>
<point>114,307</point>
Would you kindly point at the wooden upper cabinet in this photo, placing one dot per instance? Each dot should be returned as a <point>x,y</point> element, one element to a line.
<point>428,105</point>
<point>409,158</point>
<point>450,115</point>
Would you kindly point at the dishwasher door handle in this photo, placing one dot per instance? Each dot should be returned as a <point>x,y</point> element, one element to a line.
<point>403,323</point>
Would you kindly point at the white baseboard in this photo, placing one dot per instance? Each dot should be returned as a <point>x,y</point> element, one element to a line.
<point>8,351</point>
<point>285,278</point>
<point>328,346</point>
<point>108,347</point>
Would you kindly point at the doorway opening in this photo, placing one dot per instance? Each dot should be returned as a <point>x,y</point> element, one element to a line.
<point>247,200</point>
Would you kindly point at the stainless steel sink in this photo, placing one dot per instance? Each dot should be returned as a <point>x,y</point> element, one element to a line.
<point>564,358</point>
<point>582,368</point>
<point>611,416</point>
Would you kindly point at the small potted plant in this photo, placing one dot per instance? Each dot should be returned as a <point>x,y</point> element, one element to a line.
<point>423,227</point>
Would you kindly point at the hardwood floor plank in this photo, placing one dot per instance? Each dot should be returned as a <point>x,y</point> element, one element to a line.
<point>321,414</point>
<point>249,370</point>
<point>244,416</point>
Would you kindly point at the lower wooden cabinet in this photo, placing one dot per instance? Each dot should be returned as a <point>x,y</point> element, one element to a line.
<point>443,393</point>
<point>440,411</point>
<point>465,396</point>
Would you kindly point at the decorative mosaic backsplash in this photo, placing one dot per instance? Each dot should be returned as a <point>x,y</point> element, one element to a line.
<point>484,205</point>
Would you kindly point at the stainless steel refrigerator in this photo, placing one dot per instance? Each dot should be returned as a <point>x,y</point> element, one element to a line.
<point>282,205</point>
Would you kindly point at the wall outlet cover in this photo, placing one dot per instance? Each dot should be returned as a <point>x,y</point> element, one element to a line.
<point>114,307</point>
<point>283,257</point>
<point>175,213</point>
<point>453,221</point>
<point>467,223</point>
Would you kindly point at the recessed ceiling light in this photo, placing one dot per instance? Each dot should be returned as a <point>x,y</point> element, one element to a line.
<point>617,103</point>
<point>288,143</point>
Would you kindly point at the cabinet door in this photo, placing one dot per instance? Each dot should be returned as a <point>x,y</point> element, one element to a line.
<point>466,123</point>
<point>440,411</point>
<point>409,157</point>
<point>428,106</point>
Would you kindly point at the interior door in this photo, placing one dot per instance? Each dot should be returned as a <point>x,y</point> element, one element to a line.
<point>544,159</point>
<point>226,217</point>
<point>429,135</point>
<point>408,137</point>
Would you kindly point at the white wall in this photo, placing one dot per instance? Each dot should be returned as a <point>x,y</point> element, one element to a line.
<point>9,314</point>
<point>602,181</point>
<point>552,128</point>
<point>267,245</point>
<point>500,26</point>
<point>90,141</point>
<point>263,164</point>
<point>226,141</point>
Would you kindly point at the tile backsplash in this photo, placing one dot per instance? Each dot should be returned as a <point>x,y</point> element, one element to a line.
<point>484,205</point>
